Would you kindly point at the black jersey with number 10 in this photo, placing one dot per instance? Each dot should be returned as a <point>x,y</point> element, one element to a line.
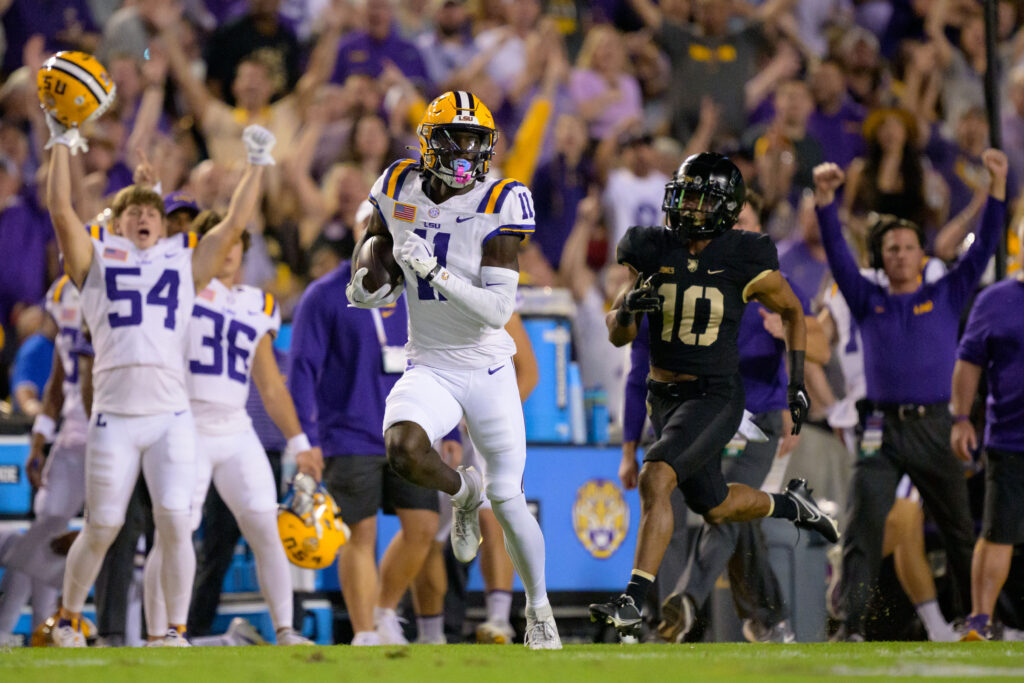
<point>702,295</point>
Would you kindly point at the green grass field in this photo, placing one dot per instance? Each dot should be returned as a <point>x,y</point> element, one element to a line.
<point>490,664</point>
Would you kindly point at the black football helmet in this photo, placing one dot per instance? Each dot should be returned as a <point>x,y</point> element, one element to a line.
<point>704,197</point>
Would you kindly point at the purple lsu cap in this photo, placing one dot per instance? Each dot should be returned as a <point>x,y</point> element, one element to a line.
<point>180,200</point>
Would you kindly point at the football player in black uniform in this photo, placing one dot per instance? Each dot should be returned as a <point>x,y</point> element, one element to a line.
<point>692,279</point>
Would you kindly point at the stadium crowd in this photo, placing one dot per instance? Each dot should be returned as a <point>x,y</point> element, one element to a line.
<point>845,118</point>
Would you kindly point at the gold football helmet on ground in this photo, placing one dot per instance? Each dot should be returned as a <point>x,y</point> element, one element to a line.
<point>310,526</point>
<point>41,637</point>
<point>455,126</point>
<point>74,88</point>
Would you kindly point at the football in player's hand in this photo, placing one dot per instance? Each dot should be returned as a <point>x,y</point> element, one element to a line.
<point>375,255</point>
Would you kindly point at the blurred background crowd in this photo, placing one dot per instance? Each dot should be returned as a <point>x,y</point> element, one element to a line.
<point>597,103</point>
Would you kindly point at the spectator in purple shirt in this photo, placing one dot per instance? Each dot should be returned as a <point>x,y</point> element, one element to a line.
<point>991,343</point>
<point>66,25</point>
<point>837,120</point>
<point>25,230</point>
<point>558,187</point>
<point>368,51</point>
<point>342,369</point>
<point>602,89</point>
<point>909,335</point>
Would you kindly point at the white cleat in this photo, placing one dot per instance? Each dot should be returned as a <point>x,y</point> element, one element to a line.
<point>541,632</point>
<point>366,639</point>
<point>389,628</point>
<point>289,636</point>
<point>175,638</point>
<point>68,634</point>
<point>465,535</point>
<point>495,632</point>
<point>241,632</point>
<point>420,640</point>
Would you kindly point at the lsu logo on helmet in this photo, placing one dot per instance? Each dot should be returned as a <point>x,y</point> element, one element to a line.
<point>457,137</point>
<point>600,517</point>
<point>310,526</point>
<point>74,88</point>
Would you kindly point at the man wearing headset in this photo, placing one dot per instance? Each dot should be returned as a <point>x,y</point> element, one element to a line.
<point>909,330</point>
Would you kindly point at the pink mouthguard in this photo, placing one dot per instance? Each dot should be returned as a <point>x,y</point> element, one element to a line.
<point>462,168</point>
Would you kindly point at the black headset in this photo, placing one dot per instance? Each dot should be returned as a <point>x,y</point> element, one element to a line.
<point>882,223</point>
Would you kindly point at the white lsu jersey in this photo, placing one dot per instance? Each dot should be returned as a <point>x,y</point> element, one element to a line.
<point>137,305</point>
<point>63,303</point>
<point>227,325</point>
<point>440,335</point>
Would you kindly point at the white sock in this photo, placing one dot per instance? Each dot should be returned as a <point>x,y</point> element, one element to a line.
<point>260,531</point>
<point>153,591</point>
<point>84,560</point>
<point>499,606</point>
<point>430,628</point>
<point>932,617</point>
<point>15,589</point>
<point>179,561</point>
<point>525,545</point>
<point>382,613</point>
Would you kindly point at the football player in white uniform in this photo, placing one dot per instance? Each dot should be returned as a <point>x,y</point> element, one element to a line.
<point>230,341</point>
<point>137,290</point>
<point>30,567</point>
<point>456,237</point>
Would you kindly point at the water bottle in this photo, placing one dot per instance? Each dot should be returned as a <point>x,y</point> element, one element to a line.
<point>577,418</point>
<point>597,412</point>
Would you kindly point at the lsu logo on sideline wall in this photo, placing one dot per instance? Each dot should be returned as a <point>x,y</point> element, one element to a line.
<point>600,517</point>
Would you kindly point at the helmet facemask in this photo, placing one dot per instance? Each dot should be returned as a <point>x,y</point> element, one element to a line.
<point>697,209</point>
<point>458,154</point>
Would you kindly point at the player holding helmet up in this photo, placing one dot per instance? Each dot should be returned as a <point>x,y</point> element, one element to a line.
<point>456,236</point>
<point>693,278</point>
<point>137,291</point>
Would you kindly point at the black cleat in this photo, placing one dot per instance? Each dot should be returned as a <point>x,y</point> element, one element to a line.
<point>808,514</point>
<point>620,613</point>
<point>678,616</point>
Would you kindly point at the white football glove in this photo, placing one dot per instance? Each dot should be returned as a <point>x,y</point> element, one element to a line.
<point>62,135</point>
<point>258,143</point>
<point>415,252</point>
<point>360,298</point>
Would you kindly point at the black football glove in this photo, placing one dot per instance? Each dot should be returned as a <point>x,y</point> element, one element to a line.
<point>796,395</point>
<point>642,298</point>
<point>799,405</point>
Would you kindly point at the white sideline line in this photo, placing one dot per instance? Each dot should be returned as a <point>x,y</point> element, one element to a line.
<point>960,671</point>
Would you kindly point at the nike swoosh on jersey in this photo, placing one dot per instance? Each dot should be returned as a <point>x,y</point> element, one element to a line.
<point>716,272</point>
<point>491,372</point>
<point>491,284</point>
<point>463,219</point>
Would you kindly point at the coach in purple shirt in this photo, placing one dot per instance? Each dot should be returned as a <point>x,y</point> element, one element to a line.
<point>367,52</point>
<point>992,342</point>
<point>909,334</point>
<point>339,378</point>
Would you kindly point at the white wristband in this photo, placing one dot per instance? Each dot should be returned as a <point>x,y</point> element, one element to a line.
<point>297,444</point>
<point>45,427</point>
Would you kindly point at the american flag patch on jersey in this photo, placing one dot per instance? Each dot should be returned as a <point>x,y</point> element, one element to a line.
<point>116,254</point>
<point>405,212</point>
